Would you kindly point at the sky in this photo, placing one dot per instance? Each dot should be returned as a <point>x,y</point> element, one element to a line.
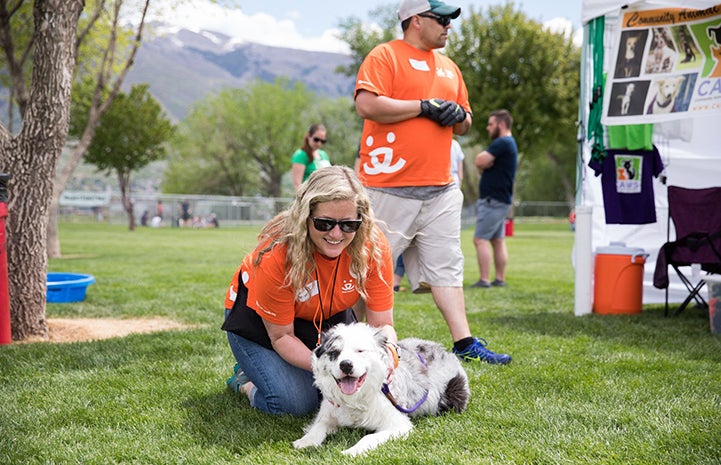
<point>313,24</point>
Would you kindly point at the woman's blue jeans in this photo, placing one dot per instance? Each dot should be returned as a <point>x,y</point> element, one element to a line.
<point>279,387</point>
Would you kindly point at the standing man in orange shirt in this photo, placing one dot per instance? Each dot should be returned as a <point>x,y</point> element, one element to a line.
<point>413,100</point>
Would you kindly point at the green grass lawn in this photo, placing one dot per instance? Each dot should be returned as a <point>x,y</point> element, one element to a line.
<point>597,389</point>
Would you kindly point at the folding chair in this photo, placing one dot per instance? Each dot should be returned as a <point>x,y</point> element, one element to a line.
<point>696,216</point>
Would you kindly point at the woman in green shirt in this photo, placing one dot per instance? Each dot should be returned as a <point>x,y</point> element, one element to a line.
<point>310,157</point>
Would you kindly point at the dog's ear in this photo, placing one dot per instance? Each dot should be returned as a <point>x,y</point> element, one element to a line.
<point>380,338</point>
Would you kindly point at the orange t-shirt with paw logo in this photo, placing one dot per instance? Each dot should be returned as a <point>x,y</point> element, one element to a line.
<point>414,152</point>
<point>331,290</point>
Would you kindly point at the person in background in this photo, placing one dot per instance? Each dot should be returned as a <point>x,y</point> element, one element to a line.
<point>312,263</point>
<point>186,215</point>
<point>310,156</point>
<point>213,221</point>
<point>159,210</point>
<point>413,99</point>
<point>497,165</point>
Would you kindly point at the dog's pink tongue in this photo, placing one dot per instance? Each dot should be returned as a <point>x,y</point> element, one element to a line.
<point>348,385</point>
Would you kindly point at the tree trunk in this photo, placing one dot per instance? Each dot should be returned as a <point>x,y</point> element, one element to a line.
<point>124,183</point>
<point>53,238</point>
<point>30,158</point>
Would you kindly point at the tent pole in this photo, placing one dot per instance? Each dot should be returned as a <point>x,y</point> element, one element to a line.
<point>583,290</point>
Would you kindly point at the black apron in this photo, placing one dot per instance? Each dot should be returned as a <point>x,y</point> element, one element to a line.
<point>245,322</point>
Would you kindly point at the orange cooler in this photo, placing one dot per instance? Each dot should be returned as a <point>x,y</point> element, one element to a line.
<point>618,279</point>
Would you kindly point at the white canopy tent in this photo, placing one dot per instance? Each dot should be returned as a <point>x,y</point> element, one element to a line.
<point>689,149</point>
<point>594,8</point>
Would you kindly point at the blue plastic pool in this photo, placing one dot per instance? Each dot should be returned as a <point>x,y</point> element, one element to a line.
<point>68,287</point>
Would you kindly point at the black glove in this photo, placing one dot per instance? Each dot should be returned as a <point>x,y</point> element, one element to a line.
<point>431,109</point>
<point>451,113</point>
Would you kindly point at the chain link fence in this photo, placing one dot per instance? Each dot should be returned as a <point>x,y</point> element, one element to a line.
<point>203,210</point>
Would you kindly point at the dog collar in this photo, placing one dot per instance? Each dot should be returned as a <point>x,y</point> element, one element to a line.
<point>387,392</point>
<point>666,103</point>
<point>393,349</point>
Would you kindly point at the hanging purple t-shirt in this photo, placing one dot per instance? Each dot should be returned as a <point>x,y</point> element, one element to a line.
<point>627,184</point>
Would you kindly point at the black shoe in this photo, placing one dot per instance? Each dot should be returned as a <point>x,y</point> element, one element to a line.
<point>481,283</point>
<point>498,283</point>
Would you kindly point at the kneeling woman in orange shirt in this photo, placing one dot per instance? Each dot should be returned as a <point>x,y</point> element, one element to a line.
<point>313,262</point>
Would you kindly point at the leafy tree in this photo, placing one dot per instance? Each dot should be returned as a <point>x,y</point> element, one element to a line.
<point>206,156</point>
<point>30,155</point>
<point>130,134</point>
<point>239,141</point>
<point>361,39</point>
<point>510,61</point>
<point>39,42</point>
<point>107,49</point>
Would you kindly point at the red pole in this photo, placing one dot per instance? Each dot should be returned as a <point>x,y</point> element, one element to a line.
<point>5,333</point>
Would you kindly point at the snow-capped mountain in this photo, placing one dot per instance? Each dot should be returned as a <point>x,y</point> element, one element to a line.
<point>181,66</point>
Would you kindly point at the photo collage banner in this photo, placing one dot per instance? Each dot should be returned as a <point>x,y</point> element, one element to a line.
<point>667,66</point>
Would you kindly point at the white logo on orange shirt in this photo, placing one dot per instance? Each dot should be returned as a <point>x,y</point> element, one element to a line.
<point>420,65</point>
<point>382,158</point>
<point>264,310</point>
<point>308,291</point>
<point>348,286</point>
<point>445,73</point>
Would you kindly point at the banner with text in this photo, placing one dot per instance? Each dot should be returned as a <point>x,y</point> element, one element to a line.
<point>667,66</point>
<point>84,199</point>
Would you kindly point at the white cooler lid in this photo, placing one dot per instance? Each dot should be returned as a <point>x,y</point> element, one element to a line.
<point>619,248</point>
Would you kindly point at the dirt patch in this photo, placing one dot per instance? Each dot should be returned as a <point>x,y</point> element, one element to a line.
<point>88,329</point>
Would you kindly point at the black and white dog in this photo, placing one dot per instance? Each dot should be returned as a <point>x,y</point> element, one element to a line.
<point>368,383</point>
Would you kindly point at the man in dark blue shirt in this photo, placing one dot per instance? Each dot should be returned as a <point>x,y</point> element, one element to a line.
<point>497,165</point>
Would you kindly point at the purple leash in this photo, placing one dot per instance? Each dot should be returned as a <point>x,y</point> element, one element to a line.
<point>386,390</point>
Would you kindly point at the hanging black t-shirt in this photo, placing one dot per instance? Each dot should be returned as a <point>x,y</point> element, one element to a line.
<point>627,184</point>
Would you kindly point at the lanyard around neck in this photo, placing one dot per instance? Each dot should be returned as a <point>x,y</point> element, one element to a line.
<point>319,325</point>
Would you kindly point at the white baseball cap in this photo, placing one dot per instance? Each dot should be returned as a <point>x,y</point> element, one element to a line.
<point>409,8</point>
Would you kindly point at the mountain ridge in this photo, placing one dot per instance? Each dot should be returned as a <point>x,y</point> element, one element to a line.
<point>181,67</point>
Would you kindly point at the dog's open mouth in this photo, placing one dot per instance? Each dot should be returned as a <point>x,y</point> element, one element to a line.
<point>350,384</point>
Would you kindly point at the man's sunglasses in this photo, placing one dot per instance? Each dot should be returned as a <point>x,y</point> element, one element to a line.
<point>442,20</point>
<point>326,224</point>
<point>318,139</point>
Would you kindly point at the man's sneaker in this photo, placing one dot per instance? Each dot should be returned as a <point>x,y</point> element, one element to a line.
<point>238,379</point>
<point>481,283</point>
<point>477,351</point>
<point>498,283</point>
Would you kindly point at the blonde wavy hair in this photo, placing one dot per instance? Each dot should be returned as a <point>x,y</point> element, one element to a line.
<point>291,227</point>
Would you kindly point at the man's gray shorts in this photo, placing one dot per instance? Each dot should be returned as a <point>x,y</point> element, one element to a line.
<point>491,219</point>
<point>427,233</point>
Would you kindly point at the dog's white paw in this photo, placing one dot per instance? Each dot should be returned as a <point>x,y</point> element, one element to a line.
<point>304,442</point>
<point>373,440</point>
<point>355,451</point>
